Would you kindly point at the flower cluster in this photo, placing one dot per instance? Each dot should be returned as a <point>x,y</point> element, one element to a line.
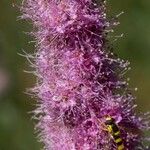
<point>79,80</point>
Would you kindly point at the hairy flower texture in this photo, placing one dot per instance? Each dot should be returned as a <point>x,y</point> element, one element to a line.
<point>79,81</point>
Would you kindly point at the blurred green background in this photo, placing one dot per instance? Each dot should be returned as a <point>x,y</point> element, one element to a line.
<point>16,127</point>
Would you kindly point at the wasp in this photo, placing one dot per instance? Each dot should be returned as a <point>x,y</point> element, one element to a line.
<point>114,131</point>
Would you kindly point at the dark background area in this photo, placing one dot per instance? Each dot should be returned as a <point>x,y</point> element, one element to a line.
<point>16,127</point>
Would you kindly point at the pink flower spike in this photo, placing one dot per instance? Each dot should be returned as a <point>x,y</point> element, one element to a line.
<point>80,83</point>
